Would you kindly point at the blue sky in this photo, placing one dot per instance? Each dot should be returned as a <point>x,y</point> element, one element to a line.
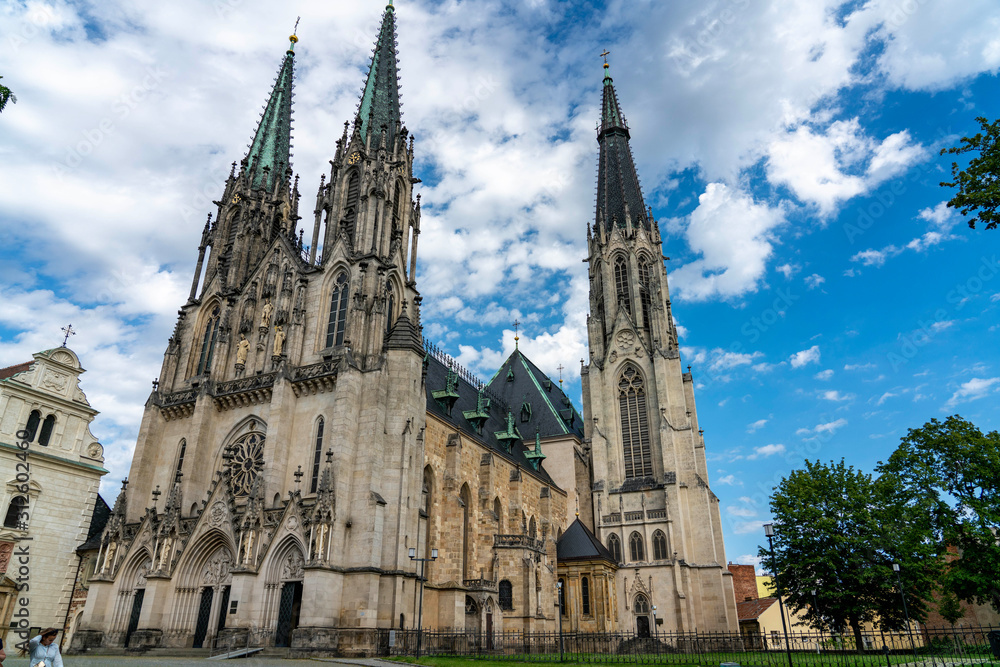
<point>828,300</point>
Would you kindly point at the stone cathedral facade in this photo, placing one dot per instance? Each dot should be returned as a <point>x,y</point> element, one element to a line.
<point>302,439</point>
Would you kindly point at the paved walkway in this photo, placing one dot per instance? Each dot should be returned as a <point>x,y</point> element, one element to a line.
<point>121,661</point>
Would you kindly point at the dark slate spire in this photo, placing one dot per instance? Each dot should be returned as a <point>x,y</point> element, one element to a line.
<point>271,146</point>
<point>619,195</point>
<point>380,98</point>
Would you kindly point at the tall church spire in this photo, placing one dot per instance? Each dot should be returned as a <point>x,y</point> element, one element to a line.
<point>271,146</point>
<point>619,195</point>
<point>380,99</point>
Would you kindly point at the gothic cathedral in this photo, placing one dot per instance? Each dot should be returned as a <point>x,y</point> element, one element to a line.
<point>315,455</point>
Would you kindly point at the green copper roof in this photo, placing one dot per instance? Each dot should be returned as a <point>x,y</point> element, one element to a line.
<point>380,98</point>
<point>271,146</point>
<point>617,180</point>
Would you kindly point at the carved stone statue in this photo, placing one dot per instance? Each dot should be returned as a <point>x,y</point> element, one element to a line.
<point>109,556</point>
<point>279,341</point>
<point>165,549</point>
<point>242,350</point>
<point>265,314</point>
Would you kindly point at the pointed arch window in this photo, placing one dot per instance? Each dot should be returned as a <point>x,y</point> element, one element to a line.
<point>13,518</point>
<point>34,419</point>
<point>615,547</point>
<point>622,291</point>
<point>659,545</point>
<point>208,342</point>
<point>317,455</point>
<point>585,595</point>
<point>636,547</point>
<point>645,292</point>
<point>351,205</point>
<point>390,307</point>
<point>506,595</point>
<point>46,433</point>
<point>641,605</point>
<point>338,312</point>
<point>635,424</point>
<point>180,455</point>
<point>397,208</point>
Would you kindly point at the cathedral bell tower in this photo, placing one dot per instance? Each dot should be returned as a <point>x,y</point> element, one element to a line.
<point>653,507</point>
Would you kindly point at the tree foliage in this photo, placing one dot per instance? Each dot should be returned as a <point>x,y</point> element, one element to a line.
<point>953,469</point>
<point>838,531</point>
<point>6,96</point>
<point>979,183</point>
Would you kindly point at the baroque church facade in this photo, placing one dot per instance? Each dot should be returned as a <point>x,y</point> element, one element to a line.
<point>310,447</point>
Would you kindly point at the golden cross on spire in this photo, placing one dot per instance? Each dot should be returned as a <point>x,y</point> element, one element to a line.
<point>561,367</point>
<point>605,55</point>
<point>516,325</point>
<point>293,38</point>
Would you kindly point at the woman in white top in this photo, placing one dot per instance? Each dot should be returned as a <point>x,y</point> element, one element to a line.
<point>44,651</point>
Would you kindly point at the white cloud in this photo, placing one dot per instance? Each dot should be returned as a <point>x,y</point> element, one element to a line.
<point>734,236</point>
<point>884,397</point>
<point>972,390</point>
<point>836,396</point>
<point>730,480</point>
<point>788,270</point>
<point>859,367</point>
<point>756,426</point>
<point>828,428</point>
<point>941,216</point>
<point>824,375</point>
<point>741,511</point>
<point>815,280</point>
<point>765,451</point>
<point>805,357</point>
<point>722,360</point>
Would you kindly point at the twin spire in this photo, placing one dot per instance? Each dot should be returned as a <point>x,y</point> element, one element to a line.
<point>379,106</point>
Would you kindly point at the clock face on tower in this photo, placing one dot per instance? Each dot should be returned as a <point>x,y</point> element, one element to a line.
<point>355,158</point>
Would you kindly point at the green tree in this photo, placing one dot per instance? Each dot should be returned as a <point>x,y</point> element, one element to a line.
<point>6,96</point>
<point>838,530</point>
<point>979,183</point>
<point>953,469</point>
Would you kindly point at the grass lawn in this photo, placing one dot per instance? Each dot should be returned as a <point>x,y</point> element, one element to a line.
<point>758,659</point>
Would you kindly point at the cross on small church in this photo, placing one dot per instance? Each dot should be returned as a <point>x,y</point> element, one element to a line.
<point>516,325</point>
<point>68,330</point>
<point>560,368</point>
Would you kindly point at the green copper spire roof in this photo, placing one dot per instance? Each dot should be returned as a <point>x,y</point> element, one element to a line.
<point>617,181</point>
<point>271,146</point>
<point>380,98</point>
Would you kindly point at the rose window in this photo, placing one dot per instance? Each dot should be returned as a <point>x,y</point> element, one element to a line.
<point>246,460</point>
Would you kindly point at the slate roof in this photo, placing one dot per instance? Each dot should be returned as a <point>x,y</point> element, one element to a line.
<point>617,179</point>
<point>750,610</point>
<point>98,520</point>
<point>11,371</point>
<point>468,396</point>
<point>551,413</point>
<point>578,543</point>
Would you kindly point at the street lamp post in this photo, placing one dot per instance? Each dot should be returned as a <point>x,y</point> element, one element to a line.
<point>906,613</point>
<point>769,531</point>
<point>655,631</point>
<point>560,601</point>
<point>420,606</point>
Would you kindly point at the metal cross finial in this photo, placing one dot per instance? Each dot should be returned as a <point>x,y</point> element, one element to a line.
<point>298,475</point>
<point>156,495</point>
<point>560,374</point>
<point>68,330</point>
<point>329,456</point>
<point>605,55</point>
<point>296,28</point>
<point>516,325</point>
<point>124,484</point>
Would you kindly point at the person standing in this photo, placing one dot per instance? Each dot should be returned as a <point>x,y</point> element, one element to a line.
<point>43,650</point>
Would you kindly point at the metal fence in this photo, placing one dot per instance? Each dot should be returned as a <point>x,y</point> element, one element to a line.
<point>930,648</point>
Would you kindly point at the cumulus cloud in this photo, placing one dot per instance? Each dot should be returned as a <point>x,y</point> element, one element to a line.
<point>972,390</point>
<point>828,428</point>
<point>805,357</point>
<point>824,375</point>
<point>765,451</point>
<point>756,426</point>
<point>734,236</point>
<point>835,396</point>
<point>730,480</point>
<point>815,280</point>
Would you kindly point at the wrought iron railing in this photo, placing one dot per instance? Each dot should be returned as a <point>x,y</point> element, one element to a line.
<point>525,541</point>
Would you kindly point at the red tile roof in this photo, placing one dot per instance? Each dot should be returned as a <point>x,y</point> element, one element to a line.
<point>11,371</point>
<point>752,609</point>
